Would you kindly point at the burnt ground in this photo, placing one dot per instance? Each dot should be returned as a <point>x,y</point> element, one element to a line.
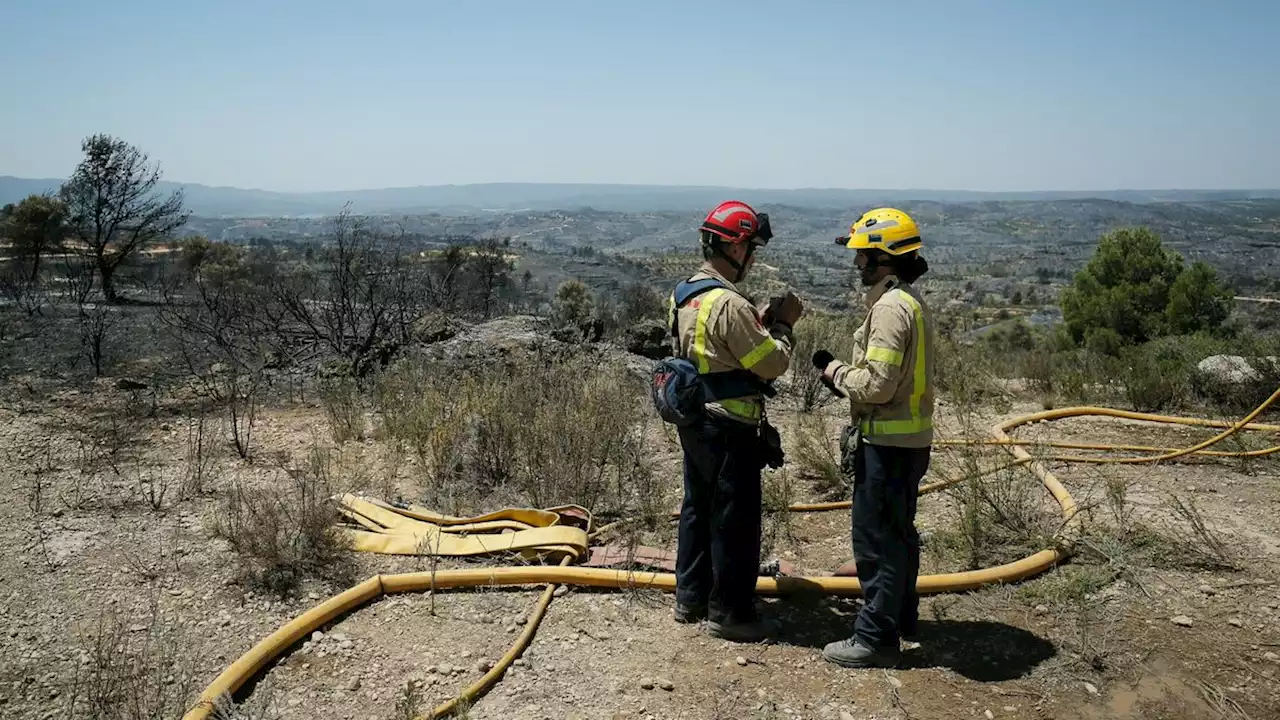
<point>1167,625</point>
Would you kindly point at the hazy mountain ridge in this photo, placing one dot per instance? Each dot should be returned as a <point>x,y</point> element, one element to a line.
<point>230,201</point>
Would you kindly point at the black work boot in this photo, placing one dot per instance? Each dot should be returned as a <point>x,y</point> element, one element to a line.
<point>690,613</point>
<point>746,630</point>
<point>852,653</point>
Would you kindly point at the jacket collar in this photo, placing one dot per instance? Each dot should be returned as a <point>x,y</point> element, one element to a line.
<point>709,270</point>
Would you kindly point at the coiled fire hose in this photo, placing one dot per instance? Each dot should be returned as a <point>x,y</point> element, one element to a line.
<point>256,658</point>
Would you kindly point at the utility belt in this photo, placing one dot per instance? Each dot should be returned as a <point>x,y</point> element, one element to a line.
<point>763,438</point>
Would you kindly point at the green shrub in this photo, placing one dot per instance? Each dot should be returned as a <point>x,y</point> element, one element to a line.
<point>1134,289</point>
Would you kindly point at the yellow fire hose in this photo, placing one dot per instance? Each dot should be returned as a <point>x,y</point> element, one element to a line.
<point>563,540</point>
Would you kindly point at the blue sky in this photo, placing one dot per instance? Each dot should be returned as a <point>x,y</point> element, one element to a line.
<point>293,95</point>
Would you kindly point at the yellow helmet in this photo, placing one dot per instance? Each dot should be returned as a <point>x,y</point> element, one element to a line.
<point>887,229</point>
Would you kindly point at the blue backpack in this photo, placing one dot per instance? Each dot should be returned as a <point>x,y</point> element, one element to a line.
<point>678,390</point>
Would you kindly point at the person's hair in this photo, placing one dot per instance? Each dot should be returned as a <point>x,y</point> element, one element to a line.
<point>909,267</point>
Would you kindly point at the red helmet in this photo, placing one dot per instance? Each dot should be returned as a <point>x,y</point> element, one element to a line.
<point>736,222</point>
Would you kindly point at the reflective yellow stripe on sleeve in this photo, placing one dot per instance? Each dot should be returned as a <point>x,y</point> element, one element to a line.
<point>700,332</point>
<point>760,352</point>
<point>884,355</point>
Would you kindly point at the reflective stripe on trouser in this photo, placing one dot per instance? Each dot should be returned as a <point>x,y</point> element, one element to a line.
<point>915,423</point>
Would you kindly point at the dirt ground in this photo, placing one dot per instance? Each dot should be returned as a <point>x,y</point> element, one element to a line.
<point>1160,639</point>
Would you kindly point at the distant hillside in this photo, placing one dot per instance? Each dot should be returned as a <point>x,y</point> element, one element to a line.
<point>227,201</point>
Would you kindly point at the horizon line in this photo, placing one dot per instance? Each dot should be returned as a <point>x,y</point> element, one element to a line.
<point>675,186</point>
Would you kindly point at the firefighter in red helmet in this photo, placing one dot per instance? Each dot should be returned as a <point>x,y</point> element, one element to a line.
<point>725,335</point>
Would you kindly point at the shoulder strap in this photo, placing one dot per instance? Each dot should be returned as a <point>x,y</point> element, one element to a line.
<point>686,290</point>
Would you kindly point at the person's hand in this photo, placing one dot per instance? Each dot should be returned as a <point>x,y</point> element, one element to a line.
<point>829,373</point>
<point>787,309</point>
<point>826,362</point>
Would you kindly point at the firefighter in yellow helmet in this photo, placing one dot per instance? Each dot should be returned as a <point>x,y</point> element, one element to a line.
<point>887,446</point>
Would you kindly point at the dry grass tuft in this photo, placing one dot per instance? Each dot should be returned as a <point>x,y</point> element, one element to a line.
<point>285,534</point>
<point>818,456</point>
<point>543,431</point>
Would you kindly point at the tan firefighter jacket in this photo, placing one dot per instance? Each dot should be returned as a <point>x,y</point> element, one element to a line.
<point>721,330</point>
<point>890,383</point>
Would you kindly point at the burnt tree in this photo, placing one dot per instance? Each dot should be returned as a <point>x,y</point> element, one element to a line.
<point>113,208</point>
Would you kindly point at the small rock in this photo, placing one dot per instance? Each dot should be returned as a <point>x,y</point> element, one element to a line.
<point>338,637</point>
<point>1182,620</point>
<point>431,669</point>
<point>346,645</point>
<point>1270,657</point>
<point>1208,590</point>
<point>1093,689</point>
<point>646,683</point>
<point>446,670</point>
<point>560,591</point>
<point>1042,609</point>
<point>137,628</point>
<point>354,685</point>
<point>519,662</point>
<point>846,715</point>
<point>317,636</point>
<point>483,665</point>
<point>667,685</point>
<point>990,715</point>
<point>741,661</point>
<point>1235,621</point>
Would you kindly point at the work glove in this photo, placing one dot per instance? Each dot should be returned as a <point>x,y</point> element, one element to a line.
<point>821,360</point>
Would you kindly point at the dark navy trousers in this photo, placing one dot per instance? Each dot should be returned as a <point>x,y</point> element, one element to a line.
<point>886,546</point>
<point>718,555</point>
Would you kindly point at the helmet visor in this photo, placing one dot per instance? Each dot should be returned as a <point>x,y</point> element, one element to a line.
<point>764,232</point>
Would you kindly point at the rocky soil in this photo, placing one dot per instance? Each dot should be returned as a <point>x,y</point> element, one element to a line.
<point>98,574</point>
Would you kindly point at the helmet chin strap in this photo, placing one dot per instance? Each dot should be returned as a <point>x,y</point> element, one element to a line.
<point>739,268</point>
